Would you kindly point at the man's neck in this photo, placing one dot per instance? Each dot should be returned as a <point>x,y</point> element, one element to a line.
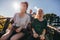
<point>22,14</point>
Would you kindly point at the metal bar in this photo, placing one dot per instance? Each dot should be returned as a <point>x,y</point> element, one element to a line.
<point>6,18</point>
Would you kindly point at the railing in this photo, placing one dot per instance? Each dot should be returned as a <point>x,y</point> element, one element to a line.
<point>1,22</point>
<point>5,25</point>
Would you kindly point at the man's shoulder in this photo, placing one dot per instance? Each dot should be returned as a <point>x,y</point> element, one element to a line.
<point>28,15</point>
<point>16,14</point>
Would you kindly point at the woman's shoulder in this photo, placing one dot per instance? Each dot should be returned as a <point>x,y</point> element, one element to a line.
<point>35,19</point>
<point>45,19</point>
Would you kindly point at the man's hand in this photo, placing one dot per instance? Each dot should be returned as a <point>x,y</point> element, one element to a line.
<point>35,35</point>
<point>18,29</point>
<point>42,37</point>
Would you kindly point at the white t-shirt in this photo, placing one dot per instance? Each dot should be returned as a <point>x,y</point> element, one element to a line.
<point>22,22</point>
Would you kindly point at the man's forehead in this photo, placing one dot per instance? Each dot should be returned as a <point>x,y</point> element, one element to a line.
<point>22,4</point>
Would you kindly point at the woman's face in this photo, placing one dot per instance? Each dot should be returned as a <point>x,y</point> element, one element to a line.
<point>23,7</point>
<point>40,13</point>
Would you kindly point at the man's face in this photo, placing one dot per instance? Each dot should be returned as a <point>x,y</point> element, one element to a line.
<point>30,11</point>
<point>23,7</point>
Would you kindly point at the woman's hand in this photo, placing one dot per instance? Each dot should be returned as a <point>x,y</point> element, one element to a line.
<point>42,37</point>
<point>35,35</point>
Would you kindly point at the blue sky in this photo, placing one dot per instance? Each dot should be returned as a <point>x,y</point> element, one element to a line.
<point>49,6</point>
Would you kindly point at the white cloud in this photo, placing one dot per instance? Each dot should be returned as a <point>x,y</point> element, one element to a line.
<point>36,7</point>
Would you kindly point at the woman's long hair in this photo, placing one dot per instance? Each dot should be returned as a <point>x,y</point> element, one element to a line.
<point>37,14</point>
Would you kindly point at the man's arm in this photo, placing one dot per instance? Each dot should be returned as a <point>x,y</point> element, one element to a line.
<point>51,27</point>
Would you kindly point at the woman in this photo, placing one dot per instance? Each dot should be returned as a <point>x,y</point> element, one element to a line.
<point>19,26</point>
<point>39,26</point>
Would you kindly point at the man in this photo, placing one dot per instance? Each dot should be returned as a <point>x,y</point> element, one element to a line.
<point>19,26</point>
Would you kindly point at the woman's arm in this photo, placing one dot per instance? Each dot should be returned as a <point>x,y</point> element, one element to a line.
<point>33,30</point>
<point>44,31</point>
<point>42,36</point>
<point>35,35</point>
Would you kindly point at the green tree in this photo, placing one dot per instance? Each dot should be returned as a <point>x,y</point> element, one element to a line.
<point>50,17</point>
